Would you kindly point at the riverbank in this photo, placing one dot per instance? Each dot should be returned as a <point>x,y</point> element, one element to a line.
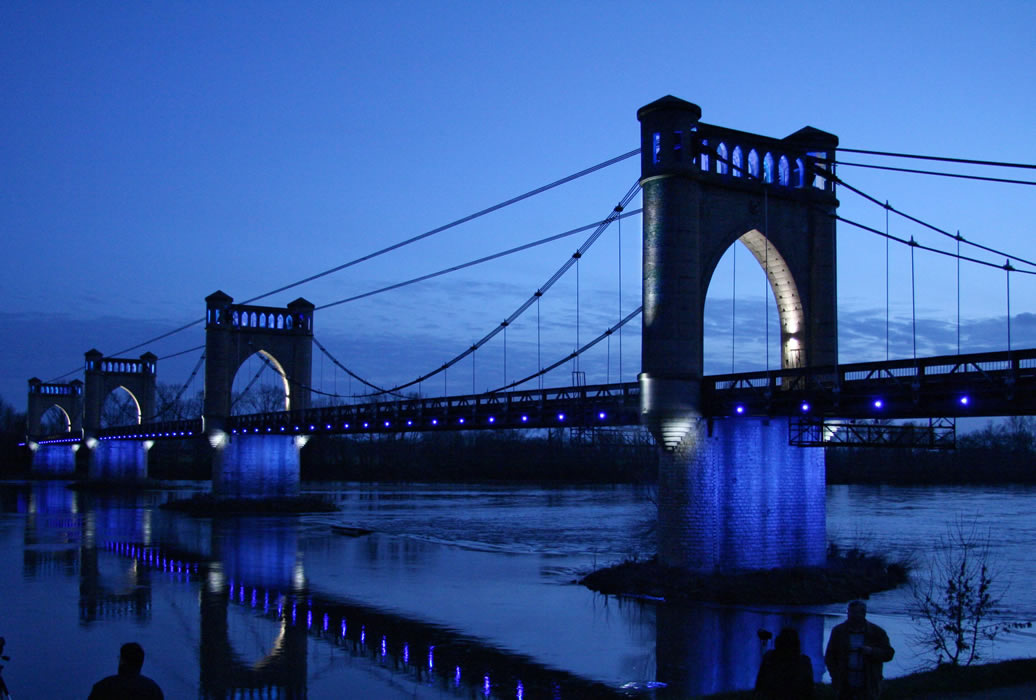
<point>846,576</point>
<point>1006,680</point>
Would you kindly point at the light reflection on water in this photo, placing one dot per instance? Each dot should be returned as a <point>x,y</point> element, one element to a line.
<point>460,589</point>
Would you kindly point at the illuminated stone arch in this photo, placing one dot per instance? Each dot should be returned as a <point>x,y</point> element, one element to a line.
<point>235,332</point>
<point>43,396</point>
<point>138,415</point>
<point>784,289</point>
<point>276,366</point>
<point>106,374</point>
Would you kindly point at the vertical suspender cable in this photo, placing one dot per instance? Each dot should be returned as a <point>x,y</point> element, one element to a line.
<point>958,291</point>
<point>913,297</point>
<point>886,280</point>
<point>733,304</point>
<point>575,360</point>
<point>618,222</point>
<point>472,368</point>
<point>539,362</point>
<point>505,353</point>
<point>1007,270</point>
<point>766,277</point>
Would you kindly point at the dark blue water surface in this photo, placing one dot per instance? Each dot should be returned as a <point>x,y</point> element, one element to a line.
<point>460,591</point>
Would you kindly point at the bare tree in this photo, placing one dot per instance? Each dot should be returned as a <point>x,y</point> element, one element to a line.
<point>173,405</point>
<point>260,398</point>
<point>119,408</point>
<point>959,599</point>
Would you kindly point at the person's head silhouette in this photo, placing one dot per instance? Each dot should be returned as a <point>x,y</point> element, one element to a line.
<point>787,642</point>
<point>131,658</point>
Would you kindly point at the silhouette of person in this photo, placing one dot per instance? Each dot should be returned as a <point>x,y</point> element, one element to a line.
<point>855,653</point>
<point>128,683</point>
<point>785,673</point>
<point>4,692</point>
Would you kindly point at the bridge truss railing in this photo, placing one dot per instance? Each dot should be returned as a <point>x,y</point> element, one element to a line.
<point>68,436</point>
<point>980,384</point>
<point>576,406</point>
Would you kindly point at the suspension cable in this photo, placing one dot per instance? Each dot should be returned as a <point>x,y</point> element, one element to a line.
<point>939,158</point>
<point>248,387</point>
<point>452,224</point>
<point>350,372</point>
<point>915,171</point>
<point>618,215</point>
<point>472,263</point>
<point>463,220</point>
<point>633,314</point>
<point>921,246</point>
<point>176,398</point>
<point>529,302</point>
<point>927,225</point>
<point>183,352</point>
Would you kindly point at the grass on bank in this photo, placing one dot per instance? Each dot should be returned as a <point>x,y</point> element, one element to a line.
<point>941,681</point>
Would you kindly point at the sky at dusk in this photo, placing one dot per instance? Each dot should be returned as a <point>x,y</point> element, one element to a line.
<point>153,153</point>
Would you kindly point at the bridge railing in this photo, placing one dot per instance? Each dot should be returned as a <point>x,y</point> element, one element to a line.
<point>68,436</point>
<point>599,404</point>
<point>164,430</point>
<point>947,385</point>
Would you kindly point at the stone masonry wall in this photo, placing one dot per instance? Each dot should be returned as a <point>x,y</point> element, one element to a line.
<point>742,498</point>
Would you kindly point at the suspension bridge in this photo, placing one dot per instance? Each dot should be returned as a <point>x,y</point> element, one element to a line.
<point>741,476</point>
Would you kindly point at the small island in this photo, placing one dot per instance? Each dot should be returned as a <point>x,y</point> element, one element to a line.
<point>847,575</point>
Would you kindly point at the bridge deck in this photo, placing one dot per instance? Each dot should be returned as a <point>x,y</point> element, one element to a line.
<point>983,384</point>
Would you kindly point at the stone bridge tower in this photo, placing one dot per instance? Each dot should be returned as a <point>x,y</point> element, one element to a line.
<point>234,332</point>
<point>45,395</point>
<point>723,485</point>
<point>106,374</point>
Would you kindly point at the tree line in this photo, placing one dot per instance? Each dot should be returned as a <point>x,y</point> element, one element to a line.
<point>1001,452</point>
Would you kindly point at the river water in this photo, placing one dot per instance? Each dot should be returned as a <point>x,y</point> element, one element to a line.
<point>459,591</point>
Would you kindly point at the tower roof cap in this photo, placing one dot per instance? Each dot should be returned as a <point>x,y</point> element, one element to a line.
<point>811,136</point>
<point>669,103</point>
<point>219,295</point>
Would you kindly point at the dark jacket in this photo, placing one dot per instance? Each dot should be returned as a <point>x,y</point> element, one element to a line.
<point>836,658</point>
<point>784,677</point>
<point>126,686</point>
